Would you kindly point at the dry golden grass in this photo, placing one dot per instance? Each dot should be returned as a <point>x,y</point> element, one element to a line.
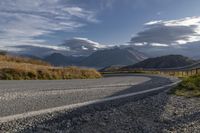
<point>17,68</point>
<point>24,66</point>
<point>17,59</point>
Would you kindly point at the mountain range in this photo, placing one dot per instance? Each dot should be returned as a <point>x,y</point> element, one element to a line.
<point>58,59</point>
<point>100,58</point>
<point>114,56</point>
<point>70,47</point>
<point>85,52</point>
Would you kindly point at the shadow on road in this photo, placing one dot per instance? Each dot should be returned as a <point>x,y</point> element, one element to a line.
<point>124,115</point>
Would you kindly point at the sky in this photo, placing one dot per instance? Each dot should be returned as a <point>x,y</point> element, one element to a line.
<point>111,22</point>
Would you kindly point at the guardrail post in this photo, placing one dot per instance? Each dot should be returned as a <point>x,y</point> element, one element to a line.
<point>190,72</point>
<point>198,70</point>
<point>187,73</point>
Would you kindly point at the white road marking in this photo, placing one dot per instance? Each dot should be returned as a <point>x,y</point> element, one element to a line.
<point>16,95</point>
<point>77,105</point>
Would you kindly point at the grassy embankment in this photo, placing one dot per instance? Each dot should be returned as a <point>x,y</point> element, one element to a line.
<point>189,87</point>
<point>18,68</point>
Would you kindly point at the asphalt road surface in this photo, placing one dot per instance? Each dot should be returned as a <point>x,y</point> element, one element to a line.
<point>18,97</point>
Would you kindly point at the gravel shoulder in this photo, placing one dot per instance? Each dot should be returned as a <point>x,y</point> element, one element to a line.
<point>160,113</point>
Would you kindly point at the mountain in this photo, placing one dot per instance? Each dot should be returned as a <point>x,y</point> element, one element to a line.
<point>71,47</point>
<point>113,56</point>
<point>31,57</point>
<point>37,51</point>
<point>82,46</point>
<point>111,68</point>
<point>58,59</point>
<point>169,61</point>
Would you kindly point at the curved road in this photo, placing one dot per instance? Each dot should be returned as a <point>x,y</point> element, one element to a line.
<point>19,97</point>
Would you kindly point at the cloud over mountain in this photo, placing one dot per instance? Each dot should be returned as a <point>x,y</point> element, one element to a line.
<point>27,22</point>
<point>72,47</point>
<point>169,33</point>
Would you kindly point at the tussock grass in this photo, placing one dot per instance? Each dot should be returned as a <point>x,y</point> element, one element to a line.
<point>17,59</point>
<point>17,68</point>
<point>189,87</point>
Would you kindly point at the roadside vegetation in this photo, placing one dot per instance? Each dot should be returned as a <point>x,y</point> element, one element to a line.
<point>19,68</point>
<point>16,59</point>
<point>189,87</point>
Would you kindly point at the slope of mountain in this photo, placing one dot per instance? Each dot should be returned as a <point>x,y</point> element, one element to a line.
<point>169,61</point>
<point>111,68</point>
<point>113,56</point>
<point>36,51</point>
<point>31,57</point>
<point>58,59</point>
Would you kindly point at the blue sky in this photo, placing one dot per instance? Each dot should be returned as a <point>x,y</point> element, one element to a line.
<point>50,22</point>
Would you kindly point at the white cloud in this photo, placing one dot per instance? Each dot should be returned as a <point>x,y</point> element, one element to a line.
<point>23,22</point>
<point>172,32</point>
<point>153,22</point>
<point>95,44</point>
<point>79,12</point>
<point>158,45</point>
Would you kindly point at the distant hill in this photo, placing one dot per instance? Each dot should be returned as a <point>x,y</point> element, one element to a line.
<point>58,59</point>
<point>113,56</point>
<point>30,56</point>
<point>169,61</point>
<point>111,68</point>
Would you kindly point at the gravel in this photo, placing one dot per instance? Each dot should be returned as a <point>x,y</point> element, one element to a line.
<point>158,113</point>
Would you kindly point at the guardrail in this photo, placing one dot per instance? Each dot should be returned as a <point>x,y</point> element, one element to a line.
<point>174,72</point>
<point>177,72</point>
<point>169,72</point>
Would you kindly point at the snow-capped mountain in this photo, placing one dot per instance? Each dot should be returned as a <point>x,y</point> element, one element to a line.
<point>82,46</point>
<point>113,56</point>
<point>71,47</point>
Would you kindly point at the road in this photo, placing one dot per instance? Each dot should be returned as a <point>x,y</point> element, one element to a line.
<point>19,97</point>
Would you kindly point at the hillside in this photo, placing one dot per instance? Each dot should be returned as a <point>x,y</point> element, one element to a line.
<point>19,68</point>
<point>110,68</point>
<point>114,56</point>
<point>58,59</point>
<point>169,61</point>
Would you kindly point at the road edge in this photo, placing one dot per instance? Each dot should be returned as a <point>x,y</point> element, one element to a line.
<point>78,105</point>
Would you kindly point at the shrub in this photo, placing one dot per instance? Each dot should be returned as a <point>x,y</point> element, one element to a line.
<point>48,74</point>
<point>189,87</point>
